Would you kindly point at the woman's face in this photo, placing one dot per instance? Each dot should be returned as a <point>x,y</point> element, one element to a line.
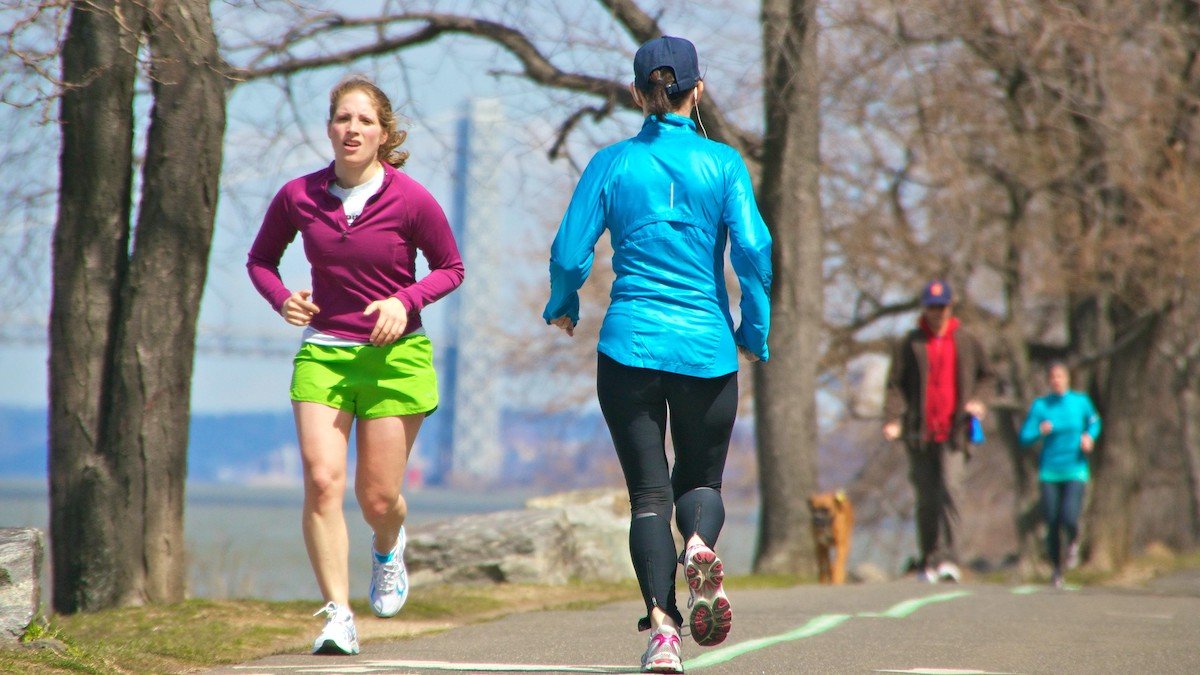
<point>1059,379</point>
<point>354,131</point>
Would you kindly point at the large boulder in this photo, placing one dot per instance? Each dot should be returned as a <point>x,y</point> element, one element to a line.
<point>579,535</point>
<point>21,554</point>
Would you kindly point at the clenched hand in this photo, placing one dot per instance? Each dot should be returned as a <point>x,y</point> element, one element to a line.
<point>393,319</point>
<point>297,309</point>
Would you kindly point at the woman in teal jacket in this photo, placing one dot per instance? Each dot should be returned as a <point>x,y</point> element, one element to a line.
<point>668,350</point>
<point>1067,425</point>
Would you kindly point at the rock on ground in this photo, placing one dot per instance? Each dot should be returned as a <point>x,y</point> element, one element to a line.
<point>21,554</point>
<point>579,535</point>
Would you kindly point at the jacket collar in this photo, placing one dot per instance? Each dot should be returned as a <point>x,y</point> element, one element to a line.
<point>668,122</point>
<point>328,175</point>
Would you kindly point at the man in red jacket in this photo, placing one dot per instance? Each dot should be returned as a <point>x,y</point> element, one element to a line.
<point>939,379</point>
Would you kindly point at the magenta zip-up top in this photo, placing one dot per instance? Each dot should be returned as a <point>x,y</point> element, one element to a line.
<point>353,266</point>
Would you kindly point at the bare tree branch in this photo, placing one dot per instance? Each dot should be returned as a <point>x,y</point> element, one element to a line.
<point>538,68</point>
<point>640,25</point>
<point>277,58</point>
<point>568,125</point>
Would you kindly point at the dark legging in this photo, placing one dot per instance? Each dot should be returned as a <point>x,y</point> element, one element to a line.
<point>1061,504</point>
<point>638,404</point>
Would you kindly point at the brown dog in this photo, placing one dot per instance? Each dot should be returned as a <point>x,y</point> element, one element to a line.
<point>832,523</point>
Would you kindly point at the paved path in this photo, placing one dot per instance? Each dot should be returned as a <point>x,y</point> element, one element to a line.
<point>896,627</point>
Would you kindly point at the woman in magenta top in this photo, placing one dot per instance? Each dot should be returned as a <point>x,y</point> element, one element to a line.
<point>364,357</point>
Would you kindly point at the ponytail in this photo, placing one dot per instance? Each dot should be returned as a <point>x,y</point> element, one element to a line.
<point>658,101</point>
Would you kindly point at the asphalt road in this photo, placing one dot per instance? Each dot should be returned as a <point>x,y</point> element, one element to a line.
<point>896,627</point>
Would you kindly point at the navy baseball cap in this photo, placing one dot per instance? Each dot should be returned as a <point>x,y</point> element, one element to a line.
<point>936,292</point>
<point>667,52</point>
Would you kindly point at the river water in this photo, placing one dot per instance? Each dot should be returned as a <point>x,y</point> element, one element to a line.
<point>245,542</point>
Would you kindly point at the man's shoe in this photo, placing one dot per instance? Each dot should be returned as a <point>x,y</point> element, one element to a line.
<point>339,635</point>
<point>389,580</point>
<point>711,616</point>
<point>662,654</point>
<point>928,575</point>
<point>948,571</point>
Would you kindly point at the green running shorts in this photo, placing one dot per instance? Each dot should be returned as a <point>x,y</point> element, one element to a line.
<point>369,381</point>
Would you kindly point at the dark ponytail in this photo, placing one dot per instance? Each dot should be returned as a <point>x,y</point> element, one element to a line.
<point>658,102</point>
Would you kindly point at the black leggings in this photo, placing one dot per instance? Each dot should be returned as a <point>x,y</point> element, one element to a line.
<point>637,403</point>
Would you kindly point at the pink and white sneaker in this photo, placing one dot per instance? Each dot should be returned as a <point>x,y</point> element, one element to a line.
<point>711,616</point>
<point>662,654</point>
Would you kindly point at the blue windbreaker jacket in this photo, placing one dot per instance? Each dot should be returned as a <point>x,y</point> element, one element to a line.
<point>1071,415</point>
<point>670,199</point>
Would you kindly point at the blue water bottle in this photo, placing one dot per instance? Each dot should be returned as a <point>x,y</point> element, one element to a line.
<point>977,436</point>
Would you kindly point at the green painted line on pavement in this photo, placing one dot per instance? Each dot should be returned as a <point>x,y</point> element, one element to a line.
<point>906,608</point>
<point>392,664</point>
<point>1027,589</point>
<point>815,626</point>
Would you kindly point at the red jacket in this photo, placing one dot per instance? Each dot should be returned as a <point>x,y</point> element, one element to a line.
<point>908,378</point>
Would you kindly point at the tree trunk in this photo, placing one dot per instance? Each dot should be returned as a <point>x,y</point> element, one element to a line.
<point>89,262</point>
<point>1188,398</point>
<point>1027,516</point>
<point>1117,460</point>
<point>118,480</point>
<point>785,387</point>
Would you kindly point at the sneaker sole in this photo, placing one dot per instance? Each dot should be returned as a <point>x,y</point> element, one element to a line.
<point>332,647</point>
<point>388,615</point>
<point>711,616</point>
<point>663,668</point>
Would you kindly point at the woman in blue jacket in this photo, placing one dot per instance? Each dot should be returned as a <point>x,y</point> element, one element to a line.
<point>1067,425</point>
<point>668,350</point>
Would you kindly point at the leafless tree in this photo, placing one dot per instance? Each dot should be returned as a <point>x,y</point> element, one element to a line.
<point>125,297</point>
<point>1023,150</point>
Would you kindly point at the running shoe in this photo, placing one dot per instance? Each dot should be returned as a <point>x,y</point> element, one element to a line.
<point>948,571</point>
<point>711,615</point>
<point>1056,580</point>
<point>662,654</point>
<point>389,580</point>
<point>928,575</point>
<point>339,635</point>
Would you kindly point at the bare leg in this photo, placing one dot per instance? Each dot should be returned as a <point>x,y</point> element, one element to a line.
<point>384,445</point>
<point>324,434</point>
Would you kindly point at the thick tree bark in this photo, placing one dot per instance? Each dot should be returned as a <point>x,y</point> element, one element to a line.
<point>1188,397</point>
<point>1117,461</point>
<point>119,437</point>
<point>89,265</point>
<point>161,302</point>
<point>785,387</point>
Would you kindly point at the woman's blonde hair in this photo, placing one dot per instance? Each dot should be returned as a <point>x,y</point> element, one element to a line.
<point>388,149</point>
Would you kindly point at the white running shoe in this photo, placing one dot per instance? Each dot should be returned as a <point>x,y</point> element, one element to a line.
<point>339,635</point>
<point>928,575</point>
<point>389,580</point>
<point>711,616</point>
<point>948,571</point>
<point>662,654</point>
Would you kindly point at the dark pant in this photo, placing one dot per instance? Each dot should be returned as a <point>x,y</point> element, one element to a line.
<point>638,404</point>
<point>1061,504</point>
<point>936,472</point>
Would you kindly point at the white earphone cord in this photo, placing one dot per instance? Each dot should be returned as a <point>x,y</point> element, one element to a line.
<point>696,105</point>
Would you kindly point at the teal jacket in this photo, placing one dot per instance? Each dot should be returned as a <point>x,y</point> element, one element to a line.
<point>1070,414</point>
<point>670,199</point>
